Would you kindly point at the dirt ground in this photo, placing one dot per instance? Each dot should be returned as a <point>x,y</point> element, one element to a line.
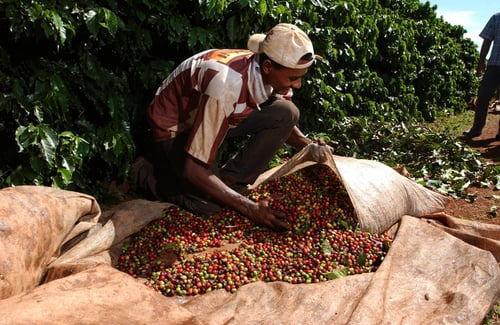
<point>486,199</point>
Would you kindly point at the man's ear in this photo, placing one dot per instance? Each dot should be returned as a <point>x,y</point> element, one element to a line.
<point>266,66</point>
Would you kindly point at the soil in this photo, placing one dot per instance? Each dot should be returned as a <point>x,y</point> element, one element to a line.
<point>486,198</point>
<point>481,202</point>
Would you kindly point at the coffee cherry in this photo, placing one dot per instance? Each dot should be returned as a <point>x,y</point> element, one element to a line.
<point>184,254</point>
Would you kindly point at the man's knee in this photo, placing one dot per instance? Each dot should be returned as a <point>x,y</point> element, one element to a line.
<point>286,111</point>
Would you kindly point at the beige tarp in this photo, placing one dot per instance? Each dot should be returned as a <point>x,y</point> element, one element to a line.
<point>57,249</point>
<point>35,222</point>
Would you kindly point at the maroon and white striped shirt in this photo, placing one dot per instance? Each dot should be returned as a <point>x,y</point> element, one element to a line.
<point>205,96</point>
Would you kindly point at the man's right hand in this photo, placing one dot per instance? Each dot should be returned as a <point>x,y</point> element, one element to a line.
<point>480,69</point>
<point>207,182</point>
<point>263,215</point>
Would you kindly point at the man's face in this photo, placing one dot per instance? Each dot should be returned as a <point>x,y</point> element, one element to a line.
<point>280,78</point>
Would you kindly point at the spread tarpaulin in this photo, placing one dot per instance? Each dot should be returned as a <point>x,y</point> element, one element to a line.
<point>438,269</point>
<point>35,222</point>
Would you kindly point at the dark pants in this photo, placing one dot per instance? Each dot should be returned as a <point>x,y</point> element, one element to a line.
<point>268,129</point>
<point>489,84</point>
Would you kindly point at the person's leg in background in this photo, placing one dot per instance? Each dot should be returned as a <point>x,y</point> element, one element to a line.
<point>489,84</point>
<point>495,106</point>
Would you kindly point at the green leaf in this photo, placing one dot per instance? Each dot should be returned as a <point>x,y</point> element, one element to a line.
<point>58,24</point>
<point>48,143</point>
<point>92,22</point>
<point>336,274</point>
<point>110,21</point>
<point>66,175</point>
<point>23,137</point>
<point>82,147</point>
<point>361,259</point>
<point>326,248</point>
<point>68,162</point>
<point>262,7</point>
<point>102,18</point>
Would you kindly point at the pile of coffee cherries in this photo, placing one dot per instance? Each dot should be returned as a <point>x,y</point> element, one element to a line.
<point>185,254</point>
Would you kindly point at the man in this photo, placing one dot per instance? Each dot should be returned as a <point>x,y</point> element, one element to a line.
<point>491,78</point>
<point>219,94</point>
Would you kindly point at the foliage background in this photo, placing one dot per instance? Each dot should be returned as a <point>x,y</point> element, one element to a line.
<point>76,76</point>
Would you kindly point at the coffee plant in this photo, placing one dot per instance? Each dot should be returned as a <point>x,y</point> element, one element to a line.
<point>77,76</point>
<point>183,254</point>
<point>434,159</point>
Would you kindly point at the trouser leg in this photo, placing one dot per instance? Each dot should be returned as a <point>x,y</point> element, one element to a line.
<point>168,163</point>
<point>269,129</point>
<point>489,84</point>
<point>169,159</point>
<point>144,180</point>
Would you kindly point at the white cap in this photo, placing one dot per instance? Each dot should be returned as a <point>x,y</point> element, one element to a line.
<point>285,44</point>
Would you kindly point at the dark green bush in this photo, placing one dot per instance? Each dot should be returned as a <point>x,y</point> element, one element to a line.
<point>76,77</point>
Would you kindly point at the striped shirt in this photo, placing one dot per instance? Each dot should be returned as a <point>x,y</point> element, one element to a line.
<point>205,96</point>
<point>492,32</point>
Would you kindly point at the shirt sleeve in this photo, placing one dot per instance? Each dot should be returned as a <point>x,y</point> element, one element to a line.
<point>488,31</point>
<point>219,87</point>
<point>210,128</point>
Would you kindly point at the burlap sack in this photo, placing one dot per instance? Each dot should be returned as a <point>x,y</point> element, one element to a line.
<point>35,222</point>
<point>379,194</point>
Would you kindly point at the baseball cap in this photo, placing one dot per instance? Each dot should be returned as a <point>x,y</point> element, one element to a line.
<point>285,44</point>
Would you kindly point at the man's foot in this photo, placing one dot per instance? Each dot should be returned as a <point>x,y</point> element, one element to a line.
<point>497,107</point>
<point>494,108</point>
<point>144,180</point>
<point>472,133</point>
<point>241,188</point>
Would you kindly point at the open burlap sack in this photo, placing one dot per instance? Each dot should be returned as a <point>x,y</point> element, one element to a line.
<point>379,194</point>
<point>100,295</point>
<point>428,277</point>
<point>35,222</point>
